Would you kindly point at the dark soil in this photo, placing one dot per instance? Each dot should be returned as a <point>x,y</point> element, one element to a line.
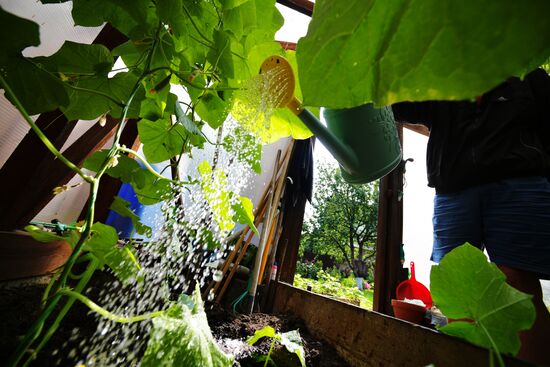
<point>230,329</point>
<point>19,307</point>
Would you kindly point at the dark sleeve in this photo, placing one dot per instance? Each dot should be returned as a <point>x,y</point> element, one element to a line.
<point>415,112</point>
<point>539,82</point>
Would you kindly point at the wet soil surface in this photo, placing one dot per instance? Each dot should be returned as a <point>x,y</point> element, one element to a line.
<point>20,306</point>
<point>231,332</point>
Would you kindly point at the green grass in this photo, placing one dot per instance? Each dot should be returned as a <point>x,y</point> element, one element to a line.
<point>332,286</point>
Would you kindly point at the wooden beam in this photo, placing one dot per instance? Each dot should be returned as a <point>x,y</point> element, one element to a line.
<point>20,168</point>
<point>417,128</point>
<point>31,157</point>
<point>38,190</point>
<point>303,6</point>
<point>288,45</point>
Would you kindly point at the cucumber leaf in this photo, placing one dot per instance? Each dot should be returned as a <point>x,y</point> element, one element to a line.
<point>148,188</point>
<point>256,18</point>
<point>465,286</point>
<point>182,337</point>
<point>360,51</point>
<point>266,332</point>
<point>86,104</point>
<point>77,59</point>
<point>292,341</point>
<point>243,209</point>
<point>245,148</point>
<point>103,243</point>
<point>226,206</point>
<point>136,19</point>
<point>161,140</point>
<point>214,188</point>
<point>122,207</point>
<point>35,88</point>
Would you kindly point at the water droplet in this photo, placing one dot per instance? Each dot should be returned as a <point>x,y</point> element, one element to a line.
<point>217,276</point>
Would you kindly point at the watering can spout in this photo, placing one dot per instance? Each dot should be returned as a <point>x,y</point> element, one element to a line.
<point>362,139</point>
<point>345,156</point>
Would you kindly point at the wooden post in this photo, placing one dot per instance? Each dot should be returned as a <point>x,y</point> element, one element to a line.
<point>388,273</point>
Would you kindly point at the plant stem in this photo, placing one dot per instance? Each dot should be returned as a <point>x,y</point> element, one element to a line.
<point>109,315</point>
<point>46,294</point>
<point>495,348</point>
<point>39,132</point>
<point>268,357</point>
<point>86,276</point>
<point>195,24</point>
<point>67,267</point>
<point>33,332</point>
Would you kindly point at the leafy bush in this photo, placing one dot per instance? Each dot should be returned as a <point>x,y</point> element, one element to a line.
<point>309,269</point>
<point>333,271</point>
<point>329,285</point>
<point>349,281</point>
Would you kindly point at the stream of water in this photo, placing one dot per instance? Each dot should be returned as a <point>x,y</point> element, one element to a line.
<point>177,256</point>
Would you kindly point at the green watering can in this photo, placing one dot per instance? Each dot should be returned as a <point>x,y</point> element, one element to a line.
<point>363,139</point>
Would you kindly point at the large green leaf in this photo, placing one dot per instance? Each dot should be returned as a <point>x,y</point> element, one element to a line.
<point>157,94</point>
<point>359,51</point>
<point>86,103</point>
<point>148,187</point>
<point>136,19</point>
<point>75,60</point>
<point>208,104</point>
<point>465,286</point>
<point>244,214</point>
<point>244,18</point>
<point>196,138</point>
<point>161,139</point>
<point>214,188</point>
<point>122,207</point>
<point>245,147</point>
<point>226,206</point>
<point>192,24</point>
<point>182,337</point>
<point>292,341</point>
<point>228,56</point>
<point>35,88</point>
<point>103,243</point>
<point>152,110</point>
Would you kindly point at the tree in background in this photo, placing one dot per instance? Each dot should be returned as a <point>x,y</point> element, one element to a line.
<point>343,222</point>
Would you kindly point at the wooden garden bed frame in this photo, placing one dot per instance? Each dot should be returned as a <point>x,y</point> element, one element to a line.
<point>367,338</point>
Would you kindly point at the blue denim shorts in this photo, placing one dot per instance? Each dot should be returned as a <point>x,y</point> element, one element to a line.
<point>509,218</point>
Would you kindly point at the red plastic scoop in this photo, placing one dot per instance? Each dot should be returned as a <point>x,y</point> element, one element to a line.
<point>412,289</point>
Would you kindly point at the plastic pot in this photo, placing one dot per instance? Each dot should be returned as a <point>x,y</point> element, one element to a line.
<point>408,311</point>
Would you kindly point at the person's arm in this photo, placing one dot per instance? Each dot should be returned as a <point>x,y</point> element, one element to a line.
<point>415,113</point>
<point>540,86</point>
